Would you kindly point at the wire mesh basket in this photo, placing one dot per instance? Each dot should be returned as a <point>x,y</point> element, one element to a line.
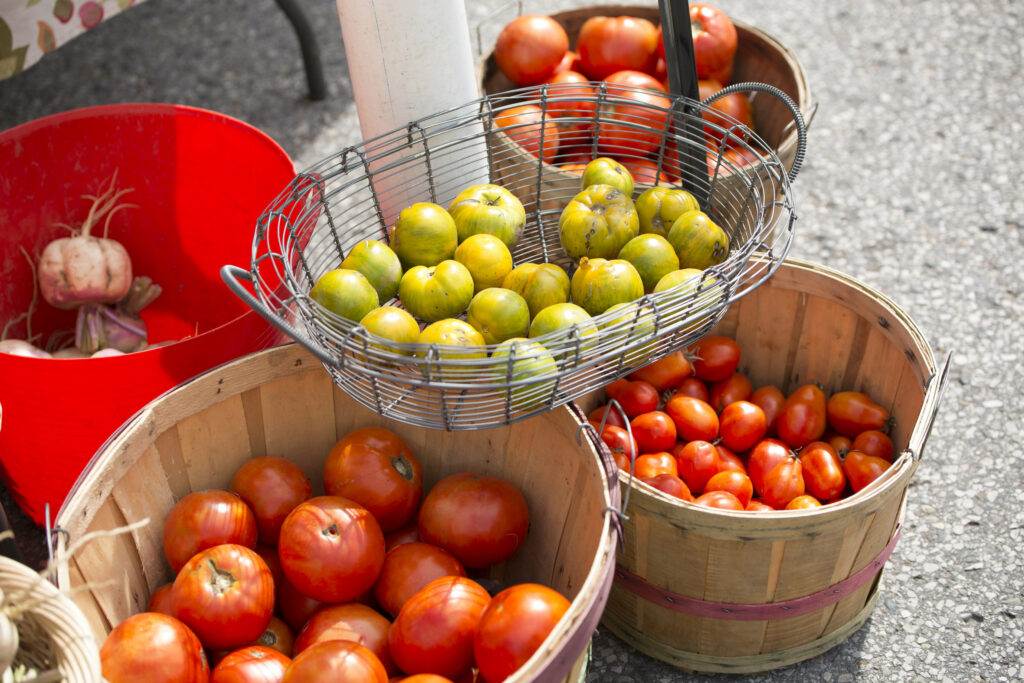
<point>357,194</point>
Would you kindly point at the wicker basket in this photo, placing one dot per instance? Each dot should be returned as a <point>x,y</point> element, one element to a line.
<point>717,591</point>
<point>282,402</point>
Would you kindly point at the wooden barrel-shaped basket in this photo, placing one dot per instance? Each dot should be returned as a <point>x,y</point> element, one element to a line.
<point>282,402</point>
<point>737,592</point>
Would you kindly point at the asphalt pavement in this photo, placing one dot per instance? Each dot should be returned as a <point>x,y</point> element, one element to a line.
<point>911,184</point>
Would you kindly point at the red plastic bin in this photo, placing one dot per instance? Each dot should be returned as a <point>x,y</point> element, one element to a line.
<point>201,179</point>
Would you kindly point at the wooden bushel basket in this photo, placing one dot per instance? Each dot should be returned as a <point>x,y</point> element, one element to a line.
<point>720,591</point>
<point>282,402</point>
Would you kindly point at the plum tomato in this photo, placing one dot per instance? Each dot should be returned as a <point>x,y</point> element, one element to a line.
<point>735,482</point>
<point>770,399</point>
<point>735,387</point>
<point>695,419</point>
<point>802,418</point>
<point>861,469</point>
<point>696,387</point>
<point>622,446</point>
<point>651,465</point>
<point>853,412</point>
<point>665,373</point>
<point>874,442</point>
<point>804,501</point>
<point>635,396</point>
<point>823,470</point>
<point>764,456</point>
<point>741,425</point>
<point>654,431</point>
<point>714,358</point>
<point>723,500</point>
<point>670,484</point>
<point>783,483</point>
<point>697,462</point>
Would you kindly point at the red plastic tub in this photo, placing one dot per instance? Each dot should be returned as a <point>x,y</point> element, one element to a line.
<point>201,180</point>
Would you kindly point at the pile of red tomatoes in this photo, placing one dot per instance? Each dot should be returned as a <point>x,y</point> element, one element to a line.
<point>703,433</point>
<point>372,582</point>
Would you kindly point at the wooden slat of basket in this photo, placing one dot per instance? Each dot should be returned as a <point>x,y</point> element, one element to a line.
<point>143,489</point>
<point>209,440</point>
<point>299,420</point>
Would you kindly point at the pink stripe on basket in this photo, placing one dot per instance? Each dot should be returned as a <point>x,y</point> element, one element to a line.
<point>756,612</point>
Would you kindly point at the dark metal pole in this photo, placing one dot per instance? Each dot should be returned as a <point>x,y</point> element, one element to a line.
<point>309,47</point>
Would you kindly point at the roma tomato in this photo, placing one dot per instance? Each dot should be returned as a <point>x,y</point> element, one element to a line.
<point>696,387</point>
<point>609,44</point>
<point>853,412</point>
<point>622,446</point>
<point>823,470</point>
<point>479,519</point>
<point>654,431</point>
<point>529,128</point>
<point>514,625</point>
<point>764,456</point>
<point>351,621</point>
<point>758,506</point>
<point>695,420</point>
<point>614,418</point>
<point>735,387</point>
<point>376,468</point>
<point>715,358</point>
<point>203,519</point>
<point>665,373</point>
<point>338,661</point>
<point>635,397</point>
<point>410,567</point>
<point>802,418</point>
<point>225,594</point>
<point>670,484</point>
<point>874,442</point>
<point>251,664</point>
<point>722,500</point>
<point>433,633</point>
<point>652,464</point>
<point>803,502</point>
<point>783,483</point>
<point>331,548</point>
<point>153,647</point>
<point>861,469</point>
<point>271,486</point>
<point>736,483</point>
<point>741,425</point>
<point>714,42</point>
<point>530,48</point>
<point>770,399</point>
<point>842,444</point>
<point>697,462</point>
<point>728,461</point>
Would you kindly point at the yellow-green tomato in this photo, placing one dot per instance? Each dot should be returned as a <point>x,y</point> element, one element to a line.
<point>658,207</point>
<point>346,293</point>
<point>608,171</point>
<point>596,287</point>
<point>567,330</point>
<point>453,350</point>
<point>424,235</point>
<point>629,324</point>
<point>528,370</point>
<point>437,292</point>
<point>378,264</point>
<point>652,256</point>
<point>488,209</point>
<point>394,324</point>
<point>541,284</point>
<point>487,258</point>
<point>699,241</point>
<point>597,223</point>
<point>691,289</point>
<point>498,314</point>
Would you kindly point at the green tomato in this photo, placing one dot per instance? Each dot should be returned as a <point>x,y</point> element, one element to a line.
<point>608,171</point>
<point>488,209</point>
<point>653,257</point>
<point>658,207</point>
<point>522,360</point>
<point>424,235</point>
<point>541,284</point>
<point>487,258</point>
<point>597,284</point>
<point>568,331</point>
<point>498,314</point>
<point>378,264</point>
<point>597,223</point>
<point>346,293</point>
<point>699,241</point>
<point>438,292</point>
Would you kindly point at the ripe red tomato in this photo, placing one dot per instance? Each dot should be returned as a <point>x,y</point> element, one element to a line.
<point>715,358</point>
<point>861,469</point>
<point>271,486</point>
<point>570,62</point>
<point>513,627</point>
<point>434,631</point>
<point>670,484</point>
<point>225,594</point>
<point>331,548</point>
<point>622,446</point>
<point>695,420</point>
<point>349,621</point>
<point>160,600</point>
<point>722,500</point>
<point>741,425</point>
<point>735,387</point>
<point>714,42</point>
<point>654,431</point>
<point>722,116</point>
<point>338,661</point>
<point>153,647</point>
<point>410,533</point>
<point>529,128</point>
<point>203,519</point>
<point>376,468</point>
<point>783,483</point>
<point>802,418</point>
<point>635,396</point>
<point>294,606</point>
<point>770,399</point>
<point>803,502</point>
<point>530,48</point>
<point>651,465</point>
<point>876,443</point>
<point>633,120</point>
<point>634,79</point>
<point>696,387</point>
<point>251,664</point>
<point>727,460</point>
<point>479,519</point>
<point>614,416</point>
<point>665,373</point>
<point>610,44</point>
<point>764,456</point>
<point>277,636</point>
<point>697,462</point>
<point>572,96</point>
<point>758,506</point>
<point>736,483</point>
<point>853,412</point>
<point>823,470</point>
<point>410,567</point>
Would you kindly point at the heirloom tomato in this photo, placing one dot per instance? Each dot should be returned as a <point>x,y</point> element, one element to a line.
<point>294,606</point>
<point>853,412</point>
<point>351,621</point>
<point>609,44</point>
<point>408,568</point>
<point>529,127</point>
<point>698,240</point>
<point>658,207</point>
<point>203,519</point>
<point>488,209</point>
<point>487,259</point>
<point>153,647</point>
<point>541,284</point>
<point>632,119</point>
<point>271,486</point>
<point>424,235</point>
<point>652,256</point>
<point>599,284</point>
<point>433,293</point>
<point>338,661</point>
<point>409,533</point>
<point>378,264</point>
<point>597,223</point>
<point>608,171</point>
<point>345,293</point>
<point>160,600</point>
<point>714,42</point>
<point>277,636</point>
<point>251,664</point>
<point>530,48</point>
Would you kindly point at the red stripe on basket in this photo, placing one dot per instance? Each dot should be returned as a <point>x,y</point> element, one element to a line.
<point>760,611</point>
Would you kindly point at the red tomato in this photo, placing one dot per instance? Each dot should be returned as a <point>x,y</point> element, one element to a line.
<point>203,519</point>
<point>695,420</point>
<point>632,119</point>
<point>153,647</point>
<point>862,469</point>
<point>570,62</point>
<point>572,96</point>
<point>783,483</point>
<point>764,456</point>
<point>479,519</point>
<point>331,548</point>
<point>622,446</point>
<point>338,661</point>
<point>696,387</point>
<point>853,412</point>
<point>876,443</point>
<point>646,171</point>
<point>723,500</point>
<point>714,42</point>
<point>823,470</point>
<point>434,631</point>
<point>722,116</point>
<point>251,664</point>
<point>348,621</point>
<point>530,48</point>
<point>803,502</point>
<point>293,606</point>
<point>736,483</point>
<point>770,399</point>
<point>375,468</point>
<point>225,594</point>
<point>758,506</point>
<point>652,464</point>
<point>670,484</point>
<point>729,461</point>
<point>269,555</point>
<point>410,567</point>
<point>665,373</point>
<point>841,443</point>
<point>715,358</point>
<point>741,425</point>
<point>735,387</point>
<point>610,44</point>
<point>513,627</point>
<point>635,397</point>
<point>614,416</point>
<point>697,462</point>
<point>277,636</point>
<point>634,79</point>
<point>160,600</point>
<point>529,128</point>
<point>654,431</point>
<point>271,487</point>
<point>410,533</point>
<point>430,678</point>
<point>802,418</point>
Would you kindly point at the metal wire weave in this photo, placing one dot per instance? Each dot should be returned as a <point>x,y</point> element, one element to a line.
<point>357,194</point>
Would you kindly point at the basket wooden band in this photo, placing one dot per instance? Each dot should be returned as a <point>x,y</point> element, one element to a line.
<point>756,612</point>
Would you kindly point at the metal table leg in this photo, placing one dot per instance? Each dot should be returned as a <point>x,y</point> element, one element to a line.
<point>310,50</point>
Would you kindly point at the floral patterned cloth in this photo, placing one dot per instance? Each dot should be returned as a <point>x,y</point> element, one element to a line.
<point>31,28</point>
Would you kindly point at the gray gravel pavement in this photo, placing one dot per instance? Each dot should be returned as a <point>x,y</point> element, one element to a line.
<point>911,184</point>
